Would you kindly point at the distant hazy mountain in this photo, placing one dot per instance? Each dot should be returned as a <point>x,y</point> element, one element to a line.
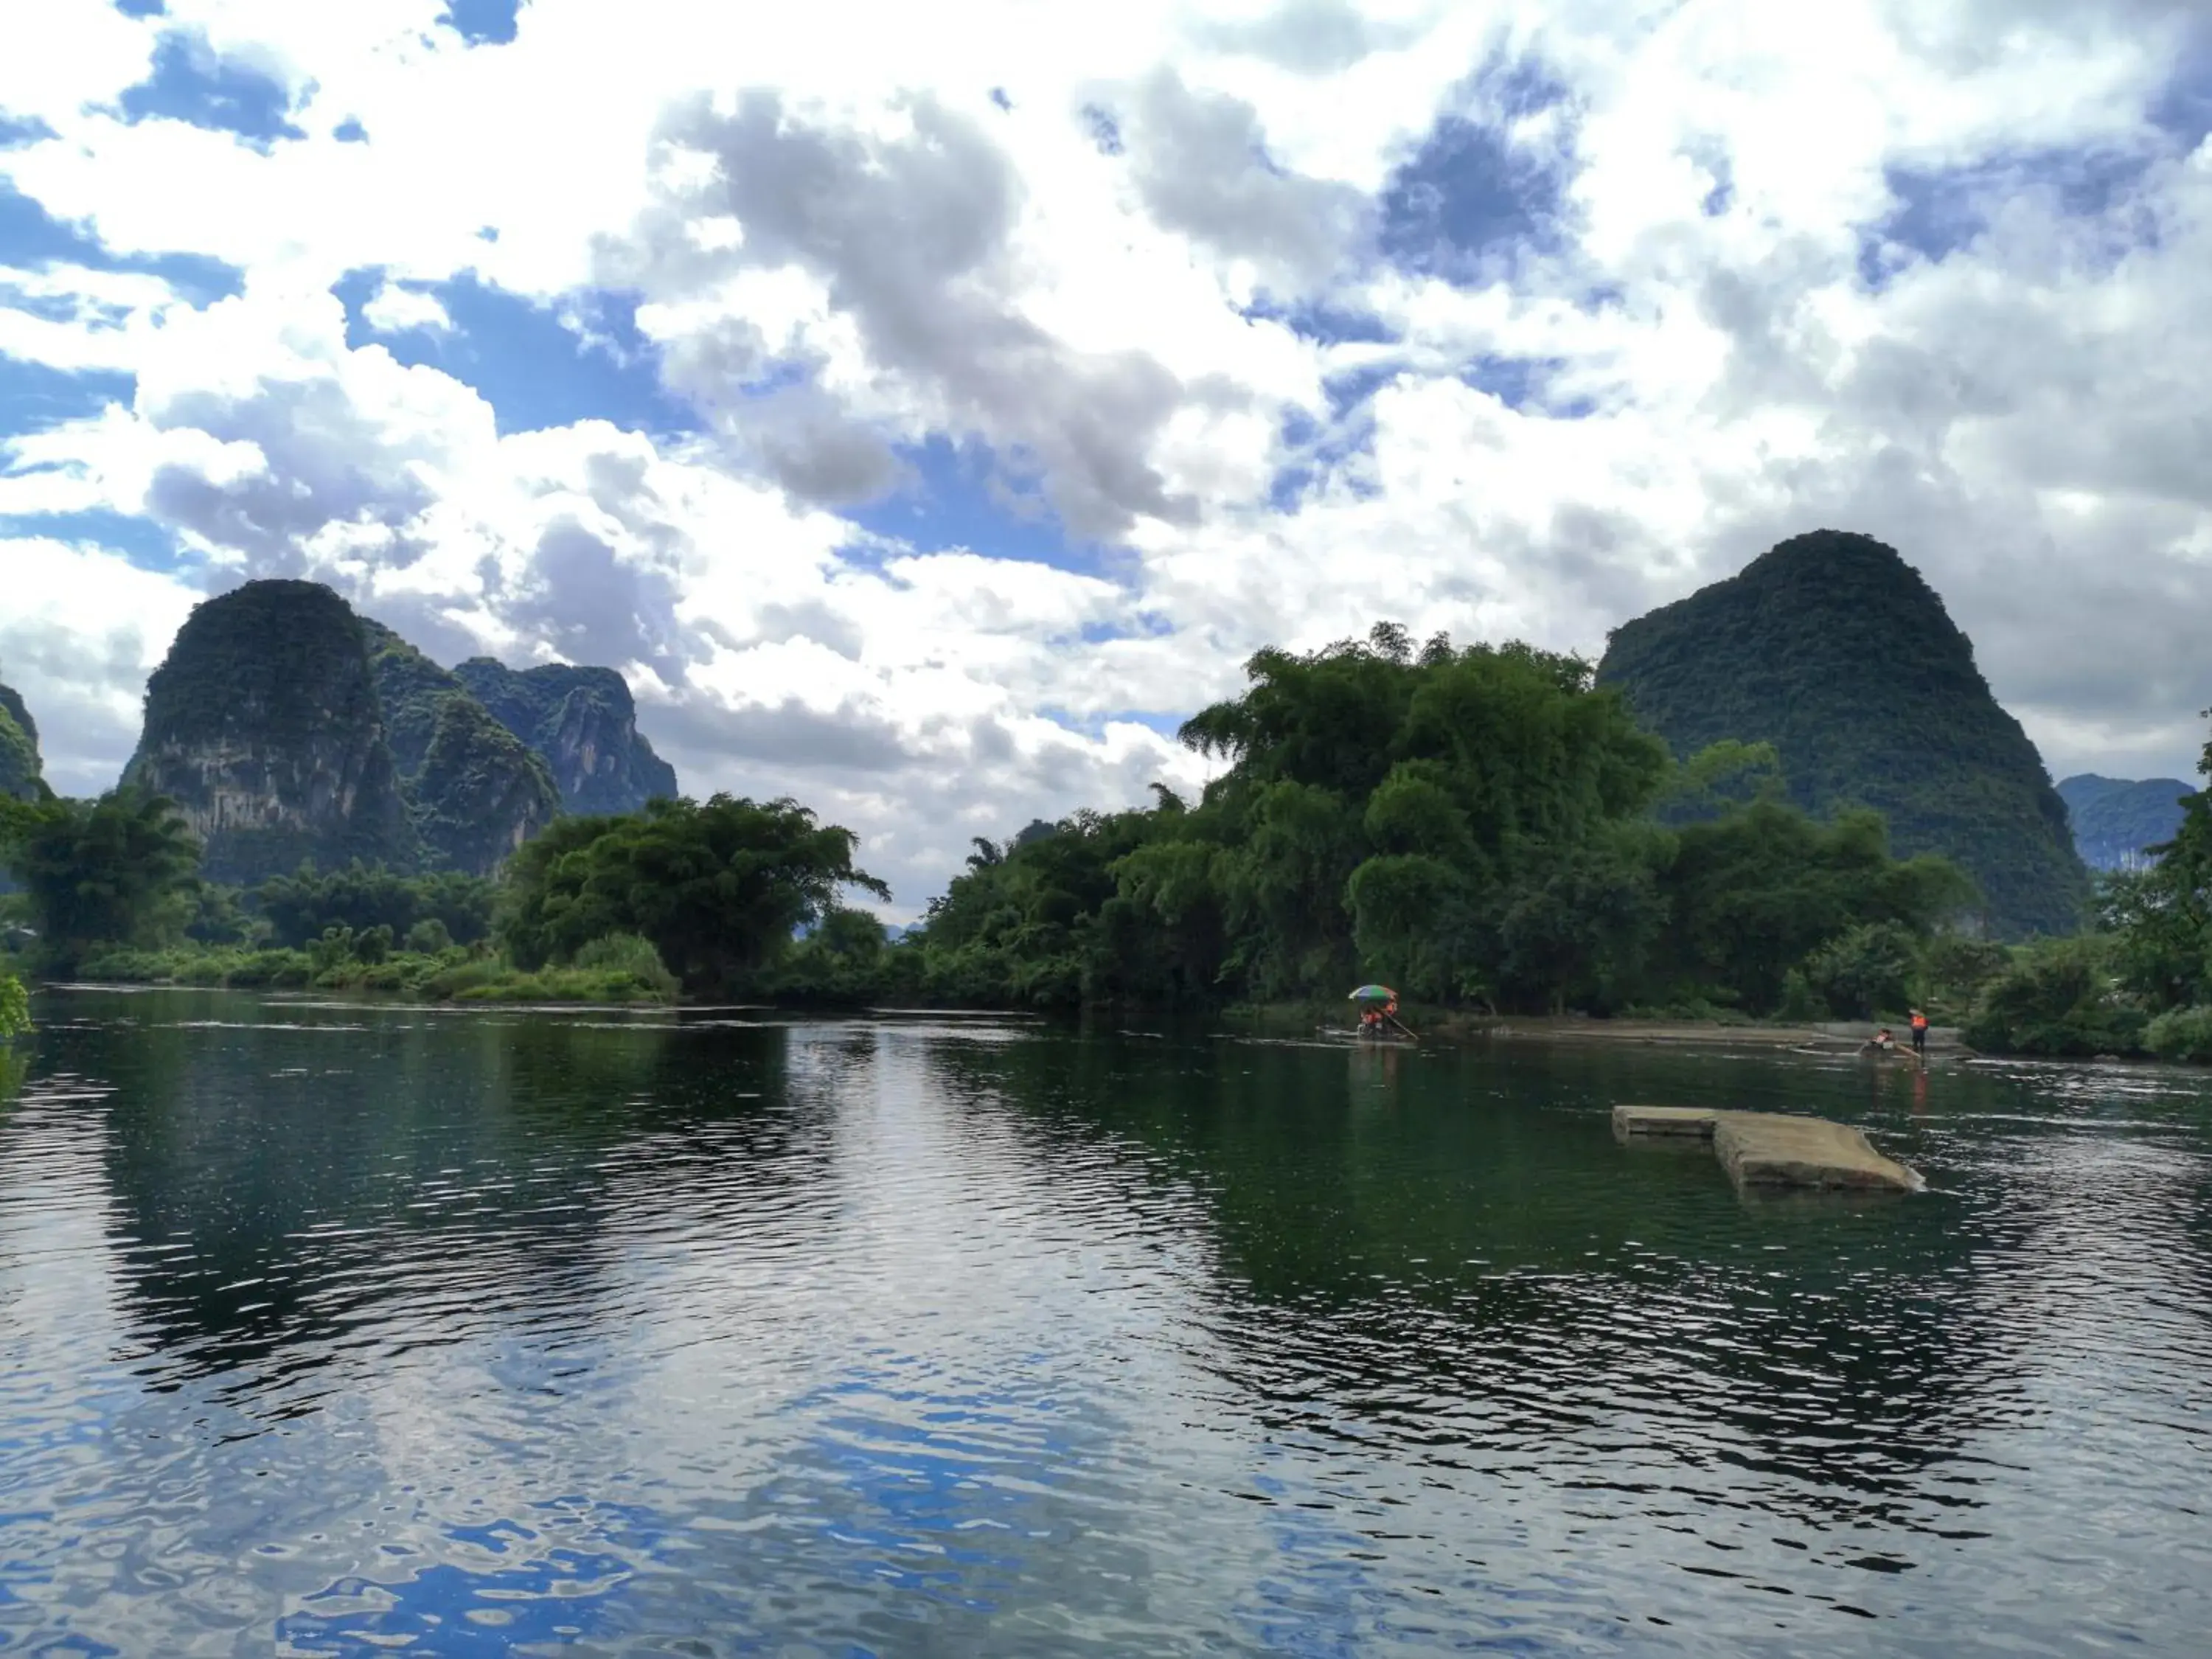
<point>1835,650</point>
<point>2117,819</point>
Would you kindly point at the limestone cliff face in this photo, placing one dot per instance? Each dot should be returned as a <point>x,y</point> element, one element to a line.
<point>264,727</point>
<point>21,773</point>
<point>583,722</point>
<point>475,790</point>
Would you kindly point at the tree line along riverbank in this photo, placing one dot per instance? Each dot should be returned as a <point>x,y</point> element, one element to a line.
<point>1484,827</point>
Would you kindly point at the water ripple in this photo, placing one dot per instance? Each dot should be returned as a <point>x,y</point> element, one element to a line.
<point>335,1328</point>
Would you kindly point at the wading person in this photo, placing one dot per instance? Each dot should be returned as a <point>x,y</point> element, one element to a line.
<point>1920,1033</point>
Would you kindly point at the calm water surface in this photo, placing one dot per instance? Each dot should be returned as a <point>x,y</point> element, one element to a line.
<point>336,1330</point>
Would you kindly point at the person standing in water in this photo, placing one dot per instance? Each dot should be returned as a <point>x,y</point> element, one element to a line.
<point>1920,1033</point>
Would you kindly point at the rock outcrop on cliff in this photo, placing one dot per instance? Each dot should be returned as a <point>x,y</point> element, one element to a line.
<point>1833,649</point>
<point>476,791</point>
<point>264,727</point>
<point>583,722</point>
<point>21,772</point>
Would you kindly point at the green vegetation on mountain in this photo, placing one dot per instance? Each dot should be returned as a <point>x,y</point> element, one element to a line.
<point>21,775</point>
<point>583,723</point>
<point>475,790</point>
<point>264,727</point>
<point>2117,821</point>
<point>1833,650</point>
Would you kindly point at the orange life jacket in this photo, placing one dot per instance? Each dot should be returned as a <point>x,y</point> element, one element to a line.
<point>1920,1022</point>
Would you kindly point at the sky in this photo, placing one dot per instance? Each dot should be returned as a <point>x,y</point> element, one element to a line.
<point>927,407</point>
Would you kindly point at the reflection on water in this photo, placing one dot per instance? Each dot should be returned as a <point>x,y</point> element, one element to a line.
<point>338,1329</point>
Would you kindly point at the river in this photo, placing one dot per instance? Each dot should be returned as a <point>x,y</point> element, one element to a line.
<point>334,1329</point>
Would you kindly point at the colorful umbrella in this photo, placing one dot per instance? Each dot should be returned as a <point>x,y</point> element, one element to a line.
<point>1373,994</point>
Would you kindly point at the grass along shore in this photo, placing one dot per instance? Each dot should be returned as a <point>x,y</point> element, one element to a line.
<point>622,972</point>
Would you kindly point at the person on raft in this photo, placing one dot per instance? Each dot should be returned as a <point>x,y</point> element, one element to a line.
<point>1881,1042</point>
<point>1920,1033</point>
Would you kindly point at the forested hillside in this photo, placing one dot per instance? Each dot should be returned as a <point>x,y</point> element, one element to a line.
<point>1835,650</point>
<point>19,767</point>
<point>582,722</point>
<point>476,791</point>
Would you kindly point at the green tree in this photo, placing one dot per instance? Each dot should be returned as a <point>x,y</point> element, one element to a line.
<point>1468,823</point>
<point>1865,971</point>
<point>719,888</point>
<point>14,1006</point>
<point>2060,998</point>
<point>302,907</point>
<point>122,870</point>
<point>1752,895</point>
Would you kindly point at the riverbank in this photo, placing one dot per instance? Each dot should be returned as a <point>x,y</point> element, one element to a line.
<point>1839,1035</point>
<point>452,975</point>
<point>1462,1025</point>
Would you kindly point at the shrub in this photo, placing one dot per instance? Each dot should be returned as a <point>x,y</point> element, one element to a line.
<point>2182,1034</point>
<point>1863,972</point>
<point>616,956</point>
<point>2056,1000</point>
<point>429,938</point>
<point>15,1007</point>
<point>1799,1006</point>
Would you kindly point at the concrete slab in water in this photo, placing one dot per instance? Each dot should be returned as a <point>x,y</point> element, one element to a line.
<point>1694,1122</point>
<point>1768,1150</point>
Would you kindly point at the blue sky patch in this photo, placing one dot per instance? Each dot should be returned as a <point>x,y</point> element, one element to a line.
<point>32,238</point>
<point>191,82</point>
<point>1470,197</point>
<point>140,540</point>
<point>1317,449</point>
<point>1519,383</point>
<point>34,396</point>
<point>1321,321</point>
<point>533,369</point>
<point>142,8</point>
<point>959,496</point>
<point>349,131</point>
<point>483,23</point>
<point>15,133</point>
<point>1939,211</point>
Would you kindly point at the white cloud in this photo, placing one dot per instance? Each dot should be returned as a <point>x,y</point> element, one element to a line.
<point>80,631</point>
<point>1707,367</point>
<point>394,310</point>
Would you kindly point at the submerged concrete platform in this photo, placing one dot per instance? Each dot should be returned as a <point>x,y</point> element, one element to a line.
<point>1774,1150</point>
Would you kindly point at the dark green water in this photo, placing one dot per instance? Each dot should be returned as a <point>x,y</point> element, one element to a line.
<point>336,1330</point>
